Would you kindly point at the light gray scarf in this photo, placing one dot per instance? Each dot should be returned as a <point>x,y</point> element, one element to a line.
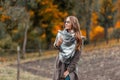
<point>67,48</point>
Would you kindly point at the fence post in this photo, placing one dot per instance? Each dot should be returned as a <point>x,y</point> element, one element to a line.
<point>18,63</point>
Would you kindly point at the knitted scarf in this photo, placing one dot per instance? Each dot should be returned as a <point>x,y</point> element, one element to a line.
<point>67,48</point>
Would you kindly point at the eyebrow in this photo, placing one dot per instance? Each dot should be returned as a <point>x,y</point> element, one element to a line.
<point>67,21</point>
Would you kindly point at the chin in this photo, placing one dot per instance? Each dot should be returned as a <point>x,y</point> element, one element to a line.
<point>66,28</point>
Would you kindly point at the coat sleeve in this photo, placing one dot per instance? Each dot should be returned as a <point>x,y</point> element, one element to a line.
<point>74,61</point>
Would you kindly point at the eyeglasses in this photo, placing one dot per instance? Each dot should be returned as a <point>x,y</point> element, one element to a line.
<point>68,22</point>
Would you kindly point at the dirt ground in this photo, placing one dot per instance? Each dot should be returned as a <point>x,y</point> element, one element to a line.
<point>99,64</point>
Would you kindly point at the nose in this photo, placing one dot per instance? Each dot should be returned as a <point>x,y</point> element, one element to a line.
<point>66,23</point>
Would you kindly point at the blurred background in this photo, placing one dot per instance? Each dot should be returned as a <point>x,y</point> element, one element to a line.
<point>29,27</point>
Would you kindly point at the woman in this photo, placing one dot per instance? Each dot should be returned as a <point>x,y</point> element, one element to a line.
<point>68,42</point>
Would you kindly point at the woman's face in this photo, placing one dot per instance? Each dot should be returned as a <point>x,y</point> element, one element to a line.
<point>68,24</point>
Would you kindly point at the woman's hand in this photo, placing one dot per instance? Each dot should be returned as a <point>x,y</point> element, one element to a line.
<point>66,73</point>
<point>59,42</point>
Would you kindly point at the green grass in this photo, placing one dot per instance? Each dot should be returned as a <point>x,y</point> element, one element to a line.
<point>8,73</point>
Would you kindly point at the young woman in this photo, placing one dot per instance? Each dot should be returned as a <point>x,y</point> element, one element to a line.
<point>68,42</point>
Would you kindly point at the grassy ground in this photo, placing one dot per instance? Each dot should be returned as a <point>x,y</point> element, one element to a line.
<point>100,45</point>
<point>8,73</point>
<point>51,53</point>
<point>98,64</point>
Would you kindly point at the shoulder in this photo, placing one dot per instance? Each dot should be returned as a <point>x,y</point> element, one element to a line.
<point>60,32</point>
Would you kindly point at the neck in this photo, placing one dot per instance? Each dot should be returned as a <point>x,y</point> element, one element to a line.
<point>68,30</point>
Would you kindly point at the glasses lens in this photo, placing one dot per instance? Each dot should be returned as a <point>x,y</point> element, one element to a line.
<point>67,21</point>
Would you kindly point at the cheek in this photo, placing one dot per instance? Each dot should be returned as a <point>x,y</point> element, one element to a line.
<point>68,26</point>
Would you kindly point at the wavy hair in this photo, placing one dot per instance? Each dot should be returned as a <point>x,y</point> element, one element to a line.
<point>76,28</point>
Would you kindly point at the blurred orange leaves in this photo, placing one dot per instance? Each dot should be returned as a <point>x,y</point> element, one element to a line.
<point>97,33</point>
<point>117,25</point>
<point>31,13</point>
<point>4,17</point>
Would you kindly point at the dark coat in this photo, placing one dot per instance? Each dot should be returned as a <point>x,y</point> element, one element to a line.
<point>60,68</point>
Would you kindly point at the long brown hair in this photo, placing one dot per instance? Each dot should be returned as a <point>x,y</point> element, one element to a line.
<point>76,29</point>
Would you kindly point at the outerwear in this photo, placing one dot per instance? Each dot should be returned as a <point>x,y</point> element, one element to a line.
<point>70,63</point>
<point>60,68</point>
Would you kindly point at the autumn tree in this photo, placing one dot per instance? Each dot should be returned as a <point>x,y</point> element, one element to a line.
<point>66,6</point>
<point>17,14</point>
<point>6,39</point>
<point>84,10</point>
<point>97,34</point>
<point>116,30</point>
<point>106,16</point>
<point>49,17</point>
<point>118,10</point>
<point>94,20</point>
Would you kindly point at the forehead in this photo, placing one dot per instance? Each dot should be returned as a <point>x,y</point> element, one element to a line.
<point>67,19</point>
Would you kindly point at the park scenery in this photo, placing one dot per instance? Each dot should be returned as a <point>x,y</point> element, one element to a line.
<point>28,29</point>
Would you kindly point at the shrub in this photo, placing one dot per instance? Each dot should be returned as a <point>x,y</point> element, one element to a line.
<point>7,45</point>
<point>97,33</point>
<point>116,33</point>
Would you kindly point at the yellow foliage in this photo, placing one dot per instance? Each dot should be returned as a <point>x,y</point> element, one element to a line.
<point>98,29</point>
<point>97,33</point>
<point>102,10</point>
<point>55,29</point>
<point>48,10</point>
<point>44,2</point>
<point>94,19</point>
<point>110,30</point>
<point>51,15</point>
<point>65,14</point>
<point>15,31</point>
<point>113,9</point>
<point>38,1</point>
<point>117,25</point>
<point>44,25</point>
<point>109,17</point>
<point>1,8</point>
<point>56,15</point>
<point>83,32</point>
<point>94,14</point>
<point>4,17</point>
<point>31,13</point>
<point>51,9</point>
<point>43,36</point>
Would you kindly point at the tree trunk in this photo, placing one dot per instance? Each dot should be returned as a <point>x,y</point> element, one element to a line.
<point>106,33</point>
<point>88,29</point>
<point>25,41</point>
<point>48,37</point>
<point>118,39</point>
<point>88,34</point>
<point>48,40</point>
